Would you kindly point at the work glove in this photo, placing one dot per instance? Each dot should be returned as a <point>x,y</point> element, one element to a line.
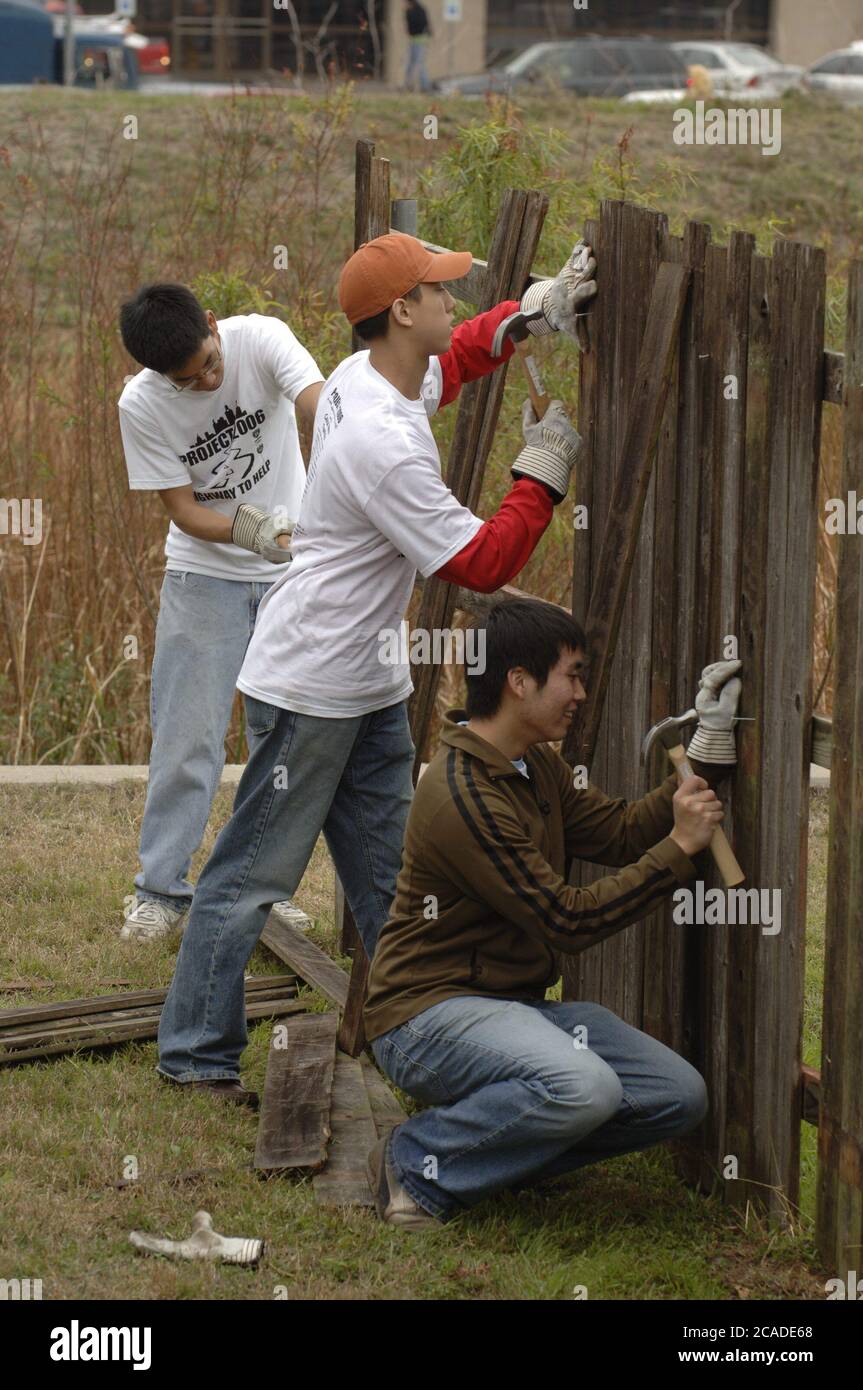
<point>565,300</point>
<point>716,703</point>
<point>553,447</point>
<point>257,530</point>
<point>203,1244</point>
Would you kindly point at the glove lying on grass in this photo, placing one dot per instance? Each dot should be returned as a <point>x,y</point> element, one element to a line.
<point>553,449</point>
<point>256,530</point>
<point>203,1244</point>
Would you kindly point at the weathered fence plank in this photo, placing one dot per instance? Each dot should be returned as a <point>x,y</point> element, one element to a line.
<point>771,790</point>
<point>839,1219</point>
<point>514,244</point>
<point>620,536</point>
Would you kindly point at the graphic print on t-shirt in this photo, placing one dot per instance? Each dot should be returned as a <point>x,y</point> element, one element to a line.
<point>230,477</point>
<point>237,444</point>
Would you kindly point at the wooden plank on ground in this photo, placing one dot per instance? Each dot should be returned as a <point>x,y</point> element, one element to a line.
<point>386,1108</point>
<point>26,1047</point>
<point>308,960</point>
<point>294,1124</point>
<point>109,1003</point>
<point>343,1181</point>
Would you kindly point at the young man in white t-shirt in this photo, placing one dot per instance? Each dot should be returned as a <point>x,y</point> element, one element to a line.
<point>327,710</point>
<point>211,424</point>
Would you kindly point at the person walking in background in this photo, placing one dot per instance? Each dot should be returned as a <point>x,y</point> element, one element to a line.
<point>210,423</point>
<point>419,33</point>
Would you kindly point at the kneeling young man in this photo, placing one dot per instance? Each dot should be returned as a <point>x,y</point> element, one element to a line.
<point>523,1088</point>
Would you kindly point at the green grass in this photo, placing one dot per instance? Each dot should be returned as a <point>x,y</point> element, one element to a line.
<point>627,1229</point>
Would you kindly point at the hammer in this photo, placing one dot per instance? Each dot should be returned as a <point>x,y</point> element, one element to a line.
<point>667,731</point>
<point>515,327</point>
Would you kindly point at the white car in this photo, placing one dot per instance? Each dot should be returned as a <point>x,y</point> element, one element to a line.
<point>839,75</point>
<point>740,69</point>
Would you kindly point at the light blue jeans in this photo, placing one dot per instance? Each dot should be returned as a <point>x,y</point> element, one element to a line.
<point>515,1100</point>
<point>202,633</point>
<point>417,65</point>
<point>351,779</point>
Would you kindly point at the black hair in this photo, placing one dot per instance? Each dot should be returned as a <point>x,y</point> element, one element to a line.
<point>378,327</point>
<point>163,327</point>
<point>518,632</point>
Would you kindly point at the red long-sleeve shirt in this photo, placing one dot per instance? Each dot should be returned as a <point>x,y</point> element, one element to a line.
<point>508,539</point>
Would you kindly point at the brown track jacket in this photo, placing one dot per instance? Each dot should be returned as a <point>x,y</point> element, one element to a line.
<point>482,904</point>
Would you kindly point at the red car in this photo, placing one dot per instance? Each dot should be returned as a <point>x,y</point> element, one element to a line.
<point>154,55</point>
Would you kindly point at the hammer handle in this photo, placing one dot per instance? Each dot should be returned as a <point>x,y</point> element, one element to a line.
<point>727,864</point>
<point>539,398</point>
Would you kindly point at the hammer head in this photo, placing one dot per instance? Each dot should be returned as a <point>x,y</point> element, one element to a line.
<point>667,731</point>
<point>514,327</point>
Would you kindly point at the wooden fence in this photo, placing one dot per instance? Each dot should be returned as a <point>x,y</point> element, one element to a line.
<point>700,407</point>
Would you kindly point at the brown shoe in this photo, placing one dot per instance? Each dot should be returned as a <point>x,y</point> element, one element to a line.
<point>234,1091</point>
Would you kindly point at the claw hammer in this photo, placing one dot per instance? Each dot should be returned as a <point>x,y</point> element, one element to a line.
<point>668,733</point>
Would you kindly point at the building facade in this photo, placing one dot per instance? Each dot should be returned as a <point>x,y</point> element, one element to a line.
<point>226,40</point>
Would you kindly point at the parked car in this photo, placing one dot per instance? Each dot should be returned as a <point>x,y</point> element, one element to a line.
<point>740,69</point>
<point>589,67</point>
<point>102,56</point>
<point>154,55</point>
<point>26,43</point>
<point>838,75</point>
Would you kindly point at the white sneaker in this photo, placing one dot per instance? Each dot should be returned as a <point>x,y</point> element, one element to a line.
<point>293,916</point>
<point>151,920</point>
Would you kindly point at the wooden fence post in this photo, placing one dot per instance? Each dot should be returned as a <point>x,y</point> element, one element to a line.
<point>516,236</point>
<point>771,790</point>
<point>839,1219</point>
<point>620,536</point>
<point>371,219</point>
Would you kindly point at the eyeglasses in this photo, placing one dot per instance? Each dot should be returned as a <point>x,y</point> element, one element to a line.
<point>206,371</point>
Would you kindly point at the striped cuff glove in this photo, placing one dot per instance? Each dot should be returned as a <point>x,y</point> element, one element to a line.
<point>256,530</point>
<point>552,450</point>
<point>716,703</point>
<point>563,300</point>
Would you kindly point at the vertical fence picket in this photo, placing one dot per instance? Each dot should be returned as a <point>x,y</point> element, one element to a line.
<point>839,1219</point>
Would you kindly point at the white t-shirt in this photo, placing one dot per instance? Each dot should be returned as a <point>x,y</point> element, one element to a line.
<point>375,510</point>
<point>518,763</point>
<point>237,444</point>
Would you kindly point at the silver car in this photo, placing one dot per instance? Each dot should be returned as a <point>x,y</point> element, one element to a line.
<point>740,69</point>
<point>839,75</point>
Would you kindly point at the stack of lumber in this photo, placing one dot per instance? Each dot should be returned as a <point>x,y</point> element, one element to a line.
<point>47,1030</point>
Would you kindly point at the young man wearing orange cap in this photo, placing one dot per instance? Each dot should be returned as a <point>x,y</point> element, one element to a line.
<point>325,712</point>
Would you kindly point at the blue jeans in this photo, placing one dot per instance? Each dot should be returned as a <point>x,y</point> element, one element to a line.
<point>350,778</point>
<point>202,634</point>
<point>417,64</point>
<point>515,1100</point>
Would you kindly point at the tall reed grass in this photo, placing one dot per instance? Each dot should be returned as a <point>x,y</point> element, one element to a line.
<point>86,216</point>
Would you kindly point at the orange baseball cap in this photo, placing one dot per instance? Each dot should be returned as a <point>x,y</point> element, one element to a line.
<point>385,269</point>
